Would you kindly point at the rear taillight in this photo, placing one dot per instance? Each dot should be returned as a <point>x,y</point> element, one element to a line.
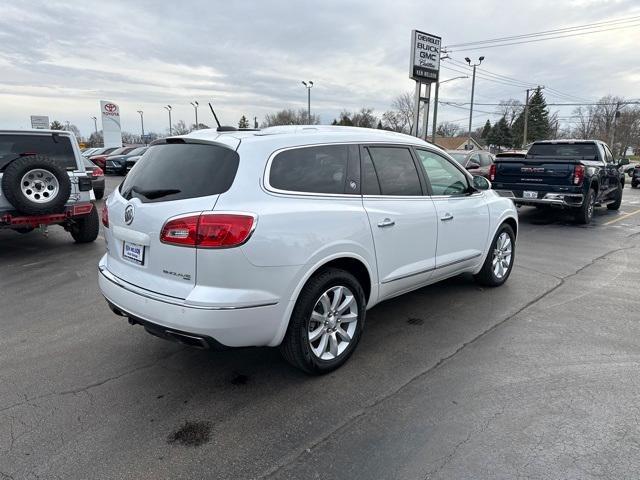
<point>208,230</point>
<point>97,172</point>
<point>578,174</point>
<point>105,216</point>
<point>492,172</point>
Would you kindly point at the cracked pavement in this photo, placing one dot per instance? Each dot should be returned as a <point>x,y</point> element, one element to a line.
<point>536,379</point>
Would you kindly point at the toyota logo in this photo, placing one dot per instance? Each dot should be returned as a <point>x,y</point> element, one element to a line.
<point>110,107</point>
<point>128,214</point>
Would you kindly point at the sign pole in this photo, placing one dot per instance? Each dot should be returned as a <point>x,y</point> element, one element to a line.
<point>427,99</point>
<point>416,113</point>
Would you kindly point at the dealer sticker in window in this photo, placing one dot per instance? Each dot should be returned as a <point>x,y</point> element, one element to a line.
<point>133,252</point>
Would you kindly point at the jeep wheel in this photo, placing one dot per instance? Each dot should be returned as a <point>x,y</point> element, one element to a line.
<point>326,323</point>
<point>85,229</point>
<point>584,214</point>
<point>617,199</point>
<point>36,185</point>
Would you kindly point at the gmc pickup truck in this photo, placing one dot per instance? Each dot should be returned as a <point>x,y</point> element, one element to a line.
<point>570,174</point>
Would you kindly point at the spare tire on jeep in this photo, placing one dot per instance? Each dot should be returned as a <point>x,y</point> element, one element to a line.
<point>36,185</point>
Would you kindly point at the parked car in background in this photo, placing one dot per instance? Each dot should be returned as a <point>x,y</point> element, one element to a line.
<point>101,159</point>
<point>286,236</point>
<point>635,176</point>
<point>118,163</point>
<point>96,175</point>
<point>43,182</point>
<point>571,174</point>
<point>87,152</point>
<point>131,161</point>
<point>477,162</point>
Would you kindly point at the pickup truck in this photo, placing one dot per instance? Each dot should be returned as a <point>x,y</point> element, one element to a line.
<point>570,174</point>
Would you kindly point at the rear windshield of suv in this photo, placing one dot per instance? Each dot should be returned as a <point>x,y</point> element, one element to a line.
<point>585,150</point>
<point>57,147</point>
<point>179,171</point>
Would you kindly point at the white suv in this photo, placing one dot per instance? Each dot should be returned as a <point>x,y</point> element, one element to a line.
<point>286,236</point>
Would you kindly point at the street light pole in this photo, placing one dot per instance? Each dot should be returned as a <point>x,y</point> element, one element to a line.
<point>435,106</point>
<point>195,107</point>
<point>168,109</point>
<point>473,87</point>
<point>308,86</point>
<point>142,124</point>
<point>95,124</point>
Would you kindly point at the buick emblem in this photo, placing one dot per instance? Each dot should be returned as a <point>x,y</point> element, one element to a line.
<point>128,214</point>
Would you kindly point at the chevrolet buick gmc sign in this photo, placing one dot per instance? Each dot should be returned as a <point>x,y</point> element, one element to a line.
<point>425,57</point>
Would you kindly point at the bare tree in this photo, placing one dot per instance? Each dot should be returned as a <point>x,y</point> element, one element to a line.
<point>585,127</point>
<point>392,120</point>
<point>447,129</point>
<point>405,108</point>
<point>364,118</point>
<point>290,117</point>
<point>180,128</point>
<point>510,110</point>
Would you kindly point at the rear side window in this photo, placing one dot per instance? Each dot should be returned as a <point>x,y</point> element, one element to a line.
<point>583,150</point>
<point>324,169</point>
<point>57,147</point>
<point>178,171</point>
<point>396,171</point>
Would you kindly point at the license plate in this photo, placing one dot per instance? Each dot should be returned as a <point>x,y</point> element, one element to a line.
<point>529,194</point>
<point>133,252</point>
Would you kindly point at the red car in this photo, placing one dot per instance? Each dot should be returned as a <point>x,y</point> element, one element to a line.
<point>101,159</point>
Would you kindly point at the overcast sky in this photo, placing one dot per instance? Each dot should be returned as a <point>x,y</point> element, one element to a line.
<point>248,57</point>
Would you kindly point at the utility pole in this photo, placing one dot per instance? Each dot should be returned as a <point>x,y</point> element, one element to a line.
<point>142,125</point>
<point>168,109</point>
<point>195,104</point>
<point>526,115</point>
<point>308,86</point>
<point>255,122</point>
<point>473,87</point>
<point>435,106</point>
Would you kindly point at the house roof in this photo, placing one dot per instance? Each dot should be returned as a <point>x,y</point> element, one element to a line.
<point>455,143</point>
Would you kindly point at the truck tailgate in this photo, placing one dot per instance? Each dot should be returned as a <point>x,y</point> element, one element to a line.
<point>534,172</point>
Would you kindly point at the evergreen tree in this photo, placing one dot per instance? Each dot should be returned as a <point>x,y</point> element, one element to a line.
<point>486,130</point>
<point>56,125</point>
<point>505,136</point>
<point>538,125</point>
<point>379,127</point>
<point>243,123</point>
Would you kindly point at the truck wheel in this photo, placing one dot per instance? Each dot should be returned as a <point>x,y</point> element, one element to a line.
<point>36,185</point>
<point>634,184</point>
<point>584,214</point>
<point>618,199</point>
<point>499,262</point>
<point>86,229</point>
<point>99,193</point>
<point>326,323</point>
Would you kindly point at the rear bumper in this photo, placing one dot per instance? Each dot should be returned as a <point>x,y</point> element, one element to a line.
<point>562,200</point>
<point>8,220</point>
<point>169,317</point>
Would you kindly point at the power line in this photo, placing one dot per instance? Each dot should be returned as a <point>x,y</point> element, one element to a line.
<point>547,38</point>
<point>549,32</point>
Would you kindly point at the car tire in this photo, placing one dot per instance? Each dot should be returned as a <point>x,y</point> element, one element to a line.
<point>24,230</point>
<point>634,184</point>
<point>85,229</point>
<point>499,262</point>
<point>617,199</point>
<point>317,341</point>
<point>584,214</point>
<point>99,193</point>
<point>36,185</point>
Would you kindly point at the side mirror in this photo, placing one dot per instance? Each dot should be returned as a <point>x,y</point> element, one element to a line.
<point>472,165</point>
<point>623,161</point>
<point>481,183</point>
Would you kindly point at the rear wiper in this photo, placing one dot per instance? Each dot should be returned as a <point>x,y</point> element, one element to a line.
<point>157,193</point>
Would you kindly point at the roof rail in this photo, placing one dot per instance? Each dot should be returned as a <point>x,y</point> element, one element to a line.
<point>225,128</point>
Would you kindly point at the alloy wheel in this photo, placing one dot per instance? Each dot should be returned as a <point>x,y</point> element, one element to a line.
<point>333,323</point>
<point>502,255</point>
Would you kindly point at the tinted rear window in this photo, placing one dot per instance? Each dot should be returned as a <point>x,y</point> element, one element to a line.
<point>396,171</point>
<point>58,148</point>
<point>179,171</point>
<point>587,150</point>
<point>322,169</point>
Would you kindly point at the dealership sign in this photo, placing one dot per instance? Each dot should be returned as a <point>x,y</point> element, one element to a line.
<point>425,57</point>
<point>40,122</point>
<point>110,113</point>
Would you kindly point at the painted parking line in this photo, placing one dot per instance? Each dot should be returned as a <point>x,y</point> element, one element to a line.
<point>622,217</point>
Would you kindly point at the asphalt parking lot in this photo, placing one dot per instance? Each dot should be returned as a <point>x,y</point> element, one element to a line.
<point>536,379</point>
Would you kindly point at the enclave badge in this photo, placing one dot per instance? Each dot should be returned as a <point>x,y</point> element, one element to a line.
<point>128,214</point>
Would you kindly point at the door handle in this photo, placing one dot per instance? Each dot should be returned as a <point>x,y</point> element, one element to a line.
<point>387,222</point>
<point>446,217</point>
